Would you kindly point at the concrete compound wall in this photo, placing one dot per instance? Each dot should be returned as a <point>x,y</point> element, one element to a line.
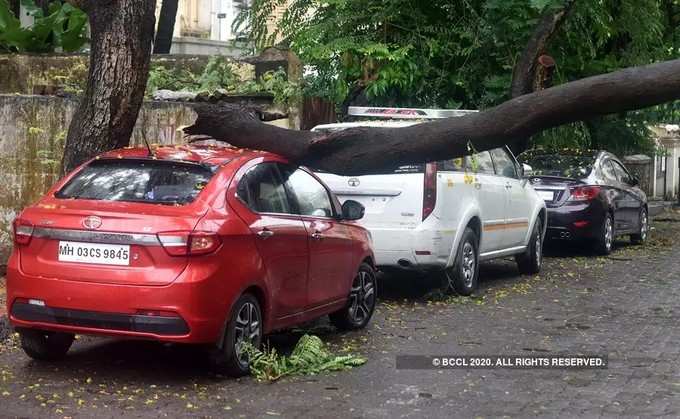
<point>48,73</point>
<point>34,122</point>
<point>32,134</point>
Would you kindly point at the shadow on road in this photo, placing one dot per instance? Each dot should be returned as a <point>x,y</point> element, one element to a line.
<point>570,249</point>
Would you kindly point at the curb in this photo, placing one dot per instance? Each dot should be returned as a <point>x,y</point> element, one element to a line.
<point>659,207</point>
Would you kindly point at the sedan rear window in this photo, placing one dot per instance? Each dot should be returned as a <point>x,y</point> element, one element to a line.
<point>149,181</point>
<point>560,165</point>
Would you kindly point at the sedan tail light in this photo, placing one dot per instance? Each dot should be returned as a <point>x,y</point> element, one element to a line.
<point>23,232</point>
<point>584,193</point>
<point>182,243</point>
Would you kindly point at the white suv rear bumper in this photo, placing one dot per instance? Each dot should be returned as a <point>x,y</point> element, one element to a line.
<point>418,249</point>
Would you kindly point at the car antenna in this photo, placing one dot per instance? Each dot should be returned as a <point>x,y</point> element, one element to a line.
<point>148,147</point>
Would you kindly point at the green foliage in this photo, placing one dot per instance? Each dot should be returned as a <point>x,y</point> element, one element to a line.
<point>64,26</point>
<point>461,54</point>
<point>275,83</point>
<point>406,52</point>
<point>309,357</point>
<point>175,79</point>
<point>219,74</point>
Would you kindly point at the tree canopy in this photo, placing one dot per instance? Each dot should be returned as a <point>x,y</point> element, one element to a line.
<point>461,54</point>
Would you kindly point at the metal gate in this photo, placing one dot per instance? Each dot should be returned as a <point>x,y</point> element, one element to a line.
<point>317,111</point>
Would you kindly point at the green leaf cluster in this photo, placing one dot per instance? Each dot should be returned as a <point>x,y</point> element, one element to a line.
<point>220,74</point>
<point>309,357</point>
<point>62,27</point>
<point>460,54</point>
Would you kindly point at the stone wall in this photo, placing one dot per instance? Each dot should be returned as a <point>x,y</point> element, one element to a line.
<point>642,167</point>
<point>46,74</point>
<point>32,134</point>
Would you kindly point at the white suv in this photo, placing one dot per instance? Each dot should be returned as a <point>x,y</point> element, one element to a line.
<point>449,215</point>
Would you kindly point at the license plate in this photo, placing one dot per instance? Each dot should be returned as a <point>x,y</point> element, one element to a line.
<point>94,253</point>
<point>546,195</point>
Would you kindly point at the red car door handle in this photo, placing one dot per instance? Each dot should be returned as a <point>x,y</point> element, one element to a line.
<point>265,233</point>
<point>317,236</point>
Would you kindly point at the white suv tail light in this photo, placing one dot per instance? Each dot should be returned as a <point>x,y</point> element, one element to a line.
<point>429,189</point>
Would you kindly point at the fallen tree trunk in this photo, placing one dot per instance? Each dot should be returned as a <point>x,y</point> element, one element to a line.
<point>373,150</point>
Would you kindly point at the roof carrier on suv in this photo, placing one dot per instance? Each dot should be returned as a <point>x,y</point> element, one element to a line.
<point>406,113</point>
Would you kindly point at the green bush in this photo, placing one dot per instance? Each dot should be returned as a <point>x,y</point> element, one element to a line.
<point>219,74</point>
<point>64,26</point>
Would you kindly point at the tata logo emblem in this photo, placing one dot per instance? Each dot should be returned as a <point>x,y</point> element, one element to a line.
<point>92,222</point>
<point>536,180</point>
<point>353,182</point>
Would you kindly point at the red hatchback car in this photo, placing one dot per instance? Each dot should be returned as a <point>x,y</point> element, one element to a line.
<point>198,244</point>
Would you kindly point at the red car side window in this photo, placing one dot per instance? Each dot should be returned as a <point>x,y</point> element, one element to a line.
<point>263,191</point>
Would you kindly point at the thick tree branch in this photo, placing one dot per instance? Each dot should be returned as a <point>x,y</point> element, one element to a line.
<point>524,73</point>
<point>374,150</point>
<point>529,68</point>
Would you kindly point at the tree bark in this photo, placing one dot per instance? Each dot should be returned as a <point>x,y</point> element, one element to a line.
<point>166,27</point>
<point>360,151</point>
<point>15,7</point>
<point>524,73</point>
<point>122,32</point>
<point>526,69</point>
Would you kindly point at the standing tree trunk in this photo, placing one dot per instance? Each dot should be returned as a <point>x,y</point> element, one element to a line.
<point>15,7</point>
<point>122,32</point>
<point>166,27</point>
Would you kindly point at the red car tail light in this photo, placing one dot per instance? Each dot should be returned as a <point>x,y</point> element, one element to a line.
<point>429,189</point>
<point>23,232</point>
<point>182,243</point>
<point>203,243</point>
<point>584,193</point>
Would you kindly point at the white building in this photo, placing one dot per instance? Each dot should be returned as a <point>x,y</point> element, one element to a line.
<point>667,162</point>
<point>204,27</point>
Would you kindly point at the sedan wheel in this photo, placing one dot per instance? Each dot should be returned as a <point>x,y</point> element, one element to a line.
<point>45,346</point>
<point>641,237</point>
<point>605,242</point>
<point>243,329</point>
<point>247,331</point>
<point>361,302</point>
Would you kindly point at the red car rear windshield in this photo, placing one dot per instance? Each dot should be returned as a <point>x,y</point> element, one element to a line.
<point>149,181</point>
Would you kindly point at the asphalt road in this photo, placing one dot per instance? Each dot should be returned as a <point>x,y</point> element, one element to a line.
<point>625,306</point>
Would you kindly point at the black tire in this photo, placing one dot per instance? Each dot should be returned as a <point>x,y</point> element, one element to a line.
<point>641,237</point>
<point>361,302</point>
<point>530,262</point>
<point>463,277</point>
<point>42,345</point>
<point>604,243</point>
<point>245,318</point>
